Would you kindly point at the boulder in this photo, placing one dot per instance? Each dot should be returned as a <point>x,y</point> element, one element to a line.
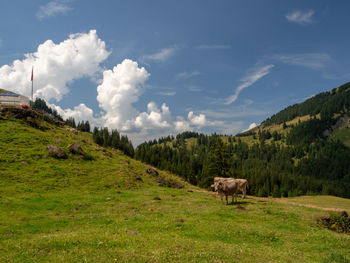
<point>56,152</point>
<point>137,177</point>
<point>72,130</point>
<point>75,148</point>
<point>169,183</point>
<point>152,171</point>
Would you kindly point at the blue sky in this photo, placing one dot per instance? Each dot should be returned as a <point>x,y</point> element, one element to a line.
<point>153,68</point>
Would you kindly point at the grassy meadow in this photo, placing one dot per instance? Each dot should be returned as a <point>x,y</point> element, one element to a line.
<point>110,210</point>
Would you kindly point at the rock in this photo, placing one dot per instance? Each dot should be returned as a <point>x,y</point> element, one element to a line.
<point>137,177</point>
<point>157,198</point>
<point>132,232</point>
<point>75,148</point>
<point>72,130</point>
<point>169,183</point>
<point>56,152</point>
<point>161,181</point>
<point>105,152</point>
<point>152,171</point>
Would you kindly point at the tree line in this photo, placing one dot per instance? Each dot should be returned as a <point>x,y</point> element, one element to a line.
<point>272,169</point>
<point>105,138</point>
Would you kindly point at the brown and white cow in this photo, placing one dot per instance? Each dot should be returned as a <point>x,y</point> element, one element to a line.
<point>242,184</point>
<point>227,187</point>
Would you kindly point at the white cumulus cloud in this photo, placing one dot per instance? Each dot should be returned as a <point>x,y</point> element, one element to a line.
<point>55,66</point>
<point>251,126</point>
<point>120,88</point>
<point>197,120</point>
<point>300,17</point>
<point>58,65</point>
<point>79,113</point>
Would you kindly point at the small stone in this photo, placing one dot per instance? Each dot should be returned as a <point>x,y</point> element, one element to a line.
<point>137,177</point>
<point>132,232</point>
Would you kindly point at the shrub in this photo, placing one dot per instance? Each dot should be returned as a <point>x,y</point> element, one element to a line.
<point>339,222</point>
<point>88,157</point>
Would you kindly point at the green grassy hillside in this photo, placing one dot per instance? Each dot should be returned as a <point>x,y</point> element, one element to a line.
<point>106,208</point>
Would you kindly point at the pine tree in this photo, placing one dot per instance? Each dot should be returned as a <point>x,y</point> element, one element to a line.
<point>217,163</point>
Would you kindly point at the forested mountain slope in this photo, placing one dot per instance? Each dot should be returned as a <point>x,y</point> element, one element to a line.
<point>300,150</point>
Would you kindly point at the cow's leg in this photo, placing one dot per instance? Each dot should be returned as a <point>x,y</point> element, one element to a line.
<point>226,200</point>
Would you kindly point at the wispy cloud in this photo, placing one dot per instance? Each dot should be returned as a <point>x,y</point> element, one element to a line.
<point>166,93</point>
<point>337,76</point>
<point>187,75</point>
<point>213,47</point>
<point>300,17</point>
<point>308,60</point>
<point>160,56</point>
<point>249,80</point>
<point>194,88</point>
<point>232,113</point>
<point>53,8</point>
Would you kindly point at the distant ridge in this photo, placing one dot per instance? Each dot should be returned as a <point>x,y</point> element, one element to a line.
<point>334,100</point>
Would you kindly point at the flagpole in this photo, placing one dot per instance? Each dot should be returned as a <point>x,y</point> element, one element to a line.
<point>32,78</point>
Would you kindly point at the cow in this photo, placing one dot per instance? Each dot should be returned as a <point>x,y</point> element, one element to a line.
<point>227,187</point>
<point>242,184</point>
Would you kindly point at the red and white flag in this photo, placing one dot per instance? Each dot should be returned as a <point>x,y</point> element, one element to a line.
<point>32,75</point>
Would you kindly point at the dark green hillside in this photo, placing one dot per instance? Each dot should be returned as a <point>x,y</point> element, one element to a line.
<point>326,104</point>
<point>286,156</point>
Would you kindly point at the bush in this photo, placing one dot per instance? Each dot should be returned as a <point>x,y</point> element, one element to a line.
<point>339,222</point>
<point>88,157</point>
